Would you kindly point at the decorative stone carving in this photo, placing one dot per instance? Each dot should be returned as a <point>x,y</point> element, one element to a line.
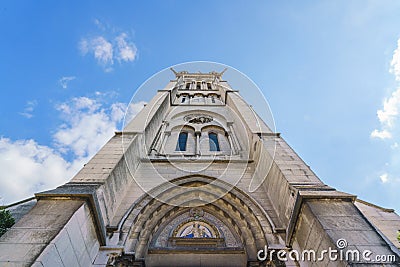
<point>166,236</point>
<point>123,260</point>
<point>196,212</point>
<point>196,229</point>
<point>198,119</point>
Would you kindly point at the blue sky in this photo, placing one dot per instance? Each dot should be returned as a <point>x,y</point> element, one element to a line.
<point>330,71</point>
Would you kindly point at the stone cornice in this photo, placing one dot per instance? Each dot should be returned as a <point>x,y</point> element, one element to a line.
<point>309,193</point>
<point>80,191</point>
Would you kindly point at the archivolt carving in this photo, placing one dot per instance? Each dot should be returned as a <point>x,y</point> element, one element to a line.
<point>154,222</point>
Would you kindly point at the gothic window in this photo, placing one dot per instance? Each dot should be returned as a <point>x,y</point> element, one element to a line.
<point>198,86</point>
<point>182,140</point>
<point>212,99</point>
<point>213,139</point>
<point>209,86</point>
<point>183,99</point>
<point>187,86</point>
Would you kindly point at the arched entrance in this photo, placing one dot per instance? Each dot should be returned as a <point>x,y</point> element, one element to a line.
<point>199,229</point>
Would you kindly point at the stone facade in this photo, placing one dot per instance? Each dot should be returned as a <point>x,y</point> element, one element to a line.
<point>197,179</point>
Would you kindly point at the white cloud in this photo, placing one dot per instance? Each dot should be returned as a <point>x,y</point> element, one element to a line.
<point>28,167</point>
<point>65,80</point>
<point>390,179</point>
<point>389,114</point>
<point>395,63</point>
<point>389,130</point>
<point>101,49</point>
<point>118,111</point>
<point>106,95</point>
<point>107,49</point>
<point>384,178</point>
<point>381,134</point>
<point>87,126</point>
<point>390,110</point>
<point>29,108</point>
<point>125,51</point>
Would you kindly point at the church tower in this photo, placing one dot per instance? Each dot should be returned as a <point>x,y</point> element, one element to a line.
<point>198,179</point>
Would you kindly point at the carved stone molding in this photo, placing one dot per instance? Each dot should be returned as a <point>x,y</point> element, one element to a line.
<point>123,260</point>
<point>196,212</point>
<point>198,119</point>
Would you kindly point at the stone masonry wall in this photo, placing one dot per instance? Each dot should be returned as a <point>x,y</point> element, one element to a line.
<point>27,239</point>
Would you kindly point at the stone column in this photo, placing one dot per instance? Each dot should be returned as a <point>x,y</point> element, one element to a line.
<point>234,138</point>
<point>233,149</point>
<point>161,138</point>
<point>166,135</point>
<point>197,143</point>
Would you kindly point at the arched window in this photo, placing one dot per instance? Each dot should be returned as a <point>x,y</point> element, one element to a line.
<point>213,139</point>
<point>182,140</point>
